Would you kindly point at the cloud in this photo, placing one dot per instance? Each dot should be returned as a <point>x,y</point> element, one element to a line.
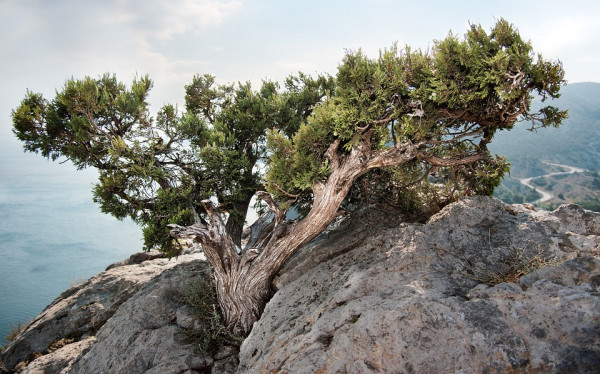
<point>46,42</point>
<point>46,29</point>
<point>152,26</point>
<point>165,19</point>
<point>571,38</point>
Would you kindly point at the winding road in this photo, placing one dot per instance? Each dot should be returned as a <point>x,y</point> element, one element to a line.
<point>545,194</point>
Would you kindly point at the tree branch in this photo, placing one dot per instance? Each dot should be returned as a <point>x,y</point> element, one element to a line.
<point>332,154</point>
<point>218,247</point>
<point>453,161</point>
<point>195,231</point>
<point>290,195</point>
<point>384,120</point>
<point>267,198</point>
<point>392,156</point>
<point>425,174</point>
<point>260,231</point>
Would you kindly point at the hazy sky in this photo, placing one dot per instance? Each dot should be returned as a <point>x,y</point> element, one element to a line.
<point>44,42</point>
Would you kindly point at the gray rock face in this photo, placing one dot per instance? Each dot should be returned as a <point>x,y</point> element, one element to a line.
<point>137,258</point>
<point>144,335</point>
<point>482,287</point>
<point>59,361</point>
<point>446,296</point>
<point>82,310</point>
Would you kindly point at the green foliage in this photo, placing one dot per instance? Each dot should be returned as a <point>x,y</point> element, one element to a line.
<point>488,176</point>
<point>168,208</point>
<point>210,334</point>
<point>593,205</point>
<point>398,187</point>
<point>540,182</point>
<point>82,119</point>
<point>298,168</point>
<point>453,98</point>
<point>449,102</point>
<point>157,170</point>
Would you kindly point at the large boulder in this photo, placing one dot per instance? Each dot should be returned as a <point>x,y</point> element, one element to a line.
<point>147,333</point>
<point>482,287</point>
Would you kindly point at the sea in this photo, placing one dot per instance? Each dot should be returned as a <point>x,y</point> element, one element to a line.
<point>52,234</point>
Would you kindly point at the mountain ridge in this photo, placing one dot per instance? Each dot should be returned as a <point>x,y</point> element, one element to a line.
<point>576,142</point>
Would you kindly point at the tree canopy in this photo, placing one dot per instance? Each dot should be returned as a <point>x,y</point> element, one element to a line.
<point>449,102</point>
<point>156,171</point>
<point>410,124</point>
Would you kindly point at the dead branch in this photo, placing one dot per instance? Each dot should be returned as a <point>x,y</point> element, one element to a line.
<point>267,198</point>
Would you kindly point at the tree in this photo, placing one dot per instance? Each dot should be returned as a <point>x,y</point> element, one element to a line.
<point>426,112</point>
<point>158,171</point>
<point>407,119</point>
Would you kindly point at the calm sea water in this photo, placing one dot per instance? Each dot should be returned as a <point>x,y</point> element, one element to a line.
<point>51,233</point>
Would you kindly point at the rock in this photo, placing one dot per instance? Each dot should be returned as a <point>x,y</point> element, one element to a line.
<point>59,360</point>
<point>185,318</point>
<point>342,235</point>
<point>82,310</point>
<point>137,258</point>
<point>225,352</point>
<point>226,366</point>
<point>481,287</point>
<point>447,296</point>
<point>143,336</point>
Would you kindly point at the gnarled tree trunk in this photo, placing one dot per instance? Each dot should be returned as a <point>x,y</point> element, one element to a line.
<point>243,281</point>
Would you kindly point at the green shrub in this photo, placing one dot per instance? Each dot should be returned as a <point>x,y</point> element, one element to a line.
<point>590,205</point>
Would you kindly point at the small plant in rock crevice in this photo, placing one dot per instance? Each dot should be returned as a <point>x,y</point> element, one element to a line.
<point>210,332</point>
<point>59,344</point>
<point>15,331</point>
<point>519,263</point>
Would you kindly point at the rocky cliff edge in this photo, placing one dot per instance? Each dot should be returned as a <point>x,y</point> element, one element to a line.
<point>482,287</point>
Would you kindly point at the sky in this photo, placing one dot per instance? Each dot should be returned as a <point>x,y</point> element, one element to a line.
<point>46,42</point>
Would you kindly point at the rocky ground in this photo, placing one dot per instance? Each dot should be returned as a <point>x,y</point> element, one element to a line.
<point>481,287</point>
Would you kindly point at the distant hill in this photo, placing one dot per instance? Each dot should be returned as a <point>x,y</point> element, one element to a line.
<point>575,143</point>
